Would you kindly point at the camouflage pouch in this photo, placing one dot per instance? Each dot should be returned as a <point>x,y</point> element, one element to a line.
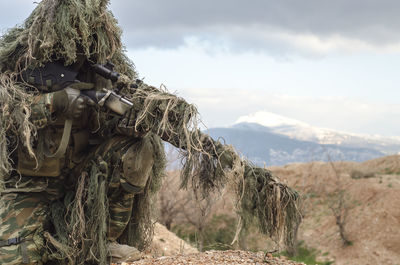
<point>28,166</point>
<point>23,217</point>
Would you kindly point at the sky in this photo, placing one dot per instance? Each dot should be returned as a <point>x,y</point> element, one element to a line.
<point>331,64</point>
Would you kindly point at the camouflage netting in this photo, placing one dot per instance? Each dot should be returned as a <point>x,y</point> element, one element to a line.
<point>81,219</point>
<point>56,30</point>
<point>15,125</point>
<point>63,30</point>
<point>140,230</point>
<point>71,29</point>
<point>209,165</point>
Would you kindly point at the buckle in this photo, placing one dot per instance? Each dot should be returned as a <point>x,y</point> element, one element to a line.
<point>14,241</point>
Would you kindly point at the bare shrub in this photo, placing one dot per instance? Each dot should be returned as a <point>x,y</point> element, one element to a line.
<point>339,203</point>
<point>172,200</point>
<point>359,174</point>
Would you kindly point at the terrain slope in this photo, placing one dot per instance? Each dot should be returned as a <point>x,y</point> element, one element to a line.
<point>370,195</point>
<point>371,192</point>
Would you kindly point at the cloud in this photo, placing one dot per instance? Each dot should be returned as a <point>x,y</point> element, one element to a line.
<point>278,27</point>
<point>311,27</point>
<point>223,107</point>
<point>315,26</point>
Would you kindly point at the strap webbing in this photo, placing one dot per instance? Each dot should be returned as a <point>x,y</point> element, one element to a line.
<point>23,247</point>
<point>24,252</point>
<point>62,148</point>
<point>10,242</point>
<point>131,188</point>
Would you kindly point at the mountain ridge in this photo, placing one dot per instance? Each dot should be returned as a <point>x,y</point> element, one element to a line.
<point>302,131</point>
<point>267,146</point>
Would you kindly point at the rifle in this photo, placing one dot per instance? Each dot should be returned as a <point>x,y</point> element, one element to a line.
<point>105,97</point>
<point>55,76</point>
<point>210,164</point>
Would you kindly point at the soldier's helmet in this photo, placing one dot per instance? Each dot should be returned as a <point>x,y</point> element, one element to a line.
<point>64,30</point>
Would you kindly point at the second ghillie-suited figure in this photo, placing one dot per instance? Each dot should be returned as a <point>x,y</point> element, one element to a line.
<point>79,164</point>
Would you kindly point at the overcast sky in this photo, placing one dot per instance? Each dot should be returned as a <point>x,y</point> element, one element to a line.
<point>331,64</point>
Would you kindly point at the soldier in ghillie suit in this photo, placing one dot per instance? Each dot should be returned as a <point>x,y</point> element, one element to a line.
<point>78,168</point>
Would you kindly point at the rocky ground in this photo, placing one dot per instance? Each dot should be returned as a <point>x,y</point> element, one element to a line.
<point>166,243</point>
<point>168,249</point>
<point>217,257</point>
<point>372,224</point>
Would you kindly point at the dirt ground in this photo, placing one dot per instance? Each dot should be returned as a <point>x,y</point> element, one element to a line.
<point>373,203</point>
<point>166,243</point>
<point>168,249</point>
<point>218,257</point>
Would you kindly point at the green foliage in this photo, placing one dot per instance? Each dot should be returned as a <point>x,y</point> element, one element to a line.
<point>390,171</point>
<point>186,232</point>
<point>311,194</point>
<point>218,234</point>
<point>306,255</point>
<point>357,174</point>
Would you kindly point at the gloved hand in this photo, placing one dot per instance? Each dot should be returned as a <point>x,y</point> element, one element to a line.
<point>70,102</point>
<point>127,123</point>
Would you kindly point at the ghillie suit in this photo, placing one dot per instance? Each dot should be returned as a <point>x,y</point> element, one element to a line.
<point>67,208</point>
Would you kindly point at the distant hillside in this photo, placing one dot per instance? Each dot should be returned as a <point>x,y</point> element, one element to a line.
<point>371,198</point>
<point>302,131</point>
<point>263,146</point>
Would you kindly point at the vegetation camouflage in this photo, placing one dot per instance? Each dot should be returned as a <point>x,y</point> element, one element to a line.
<point>66,29</point>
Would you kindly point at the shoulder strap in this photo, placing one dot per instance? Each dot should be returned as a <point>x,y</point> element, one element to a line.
<point>62,148</point>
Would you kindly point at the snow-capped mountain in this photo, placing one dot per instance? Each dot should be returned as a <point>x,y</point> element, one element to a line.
<point>262,146</point>
<point>271,139</point>
<point>305,132</point>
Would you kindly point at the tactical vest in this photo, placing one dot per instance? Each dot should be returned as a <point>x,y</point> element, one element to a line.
<point>82,138</point>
